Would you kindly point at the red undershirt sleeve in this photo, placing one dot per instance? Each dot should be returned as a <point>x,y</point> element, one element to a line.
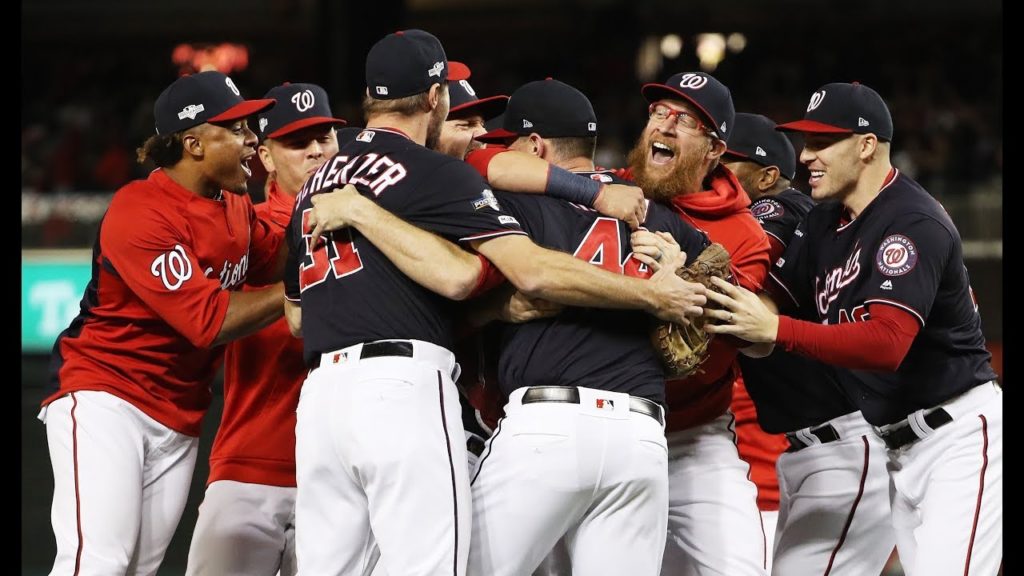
<point>480,159</point>
<point>489,277</point>
<point>879,343</point>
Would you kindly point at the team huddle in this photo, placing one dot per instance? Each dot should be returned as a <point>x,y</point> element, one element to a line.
<point>438,353</point>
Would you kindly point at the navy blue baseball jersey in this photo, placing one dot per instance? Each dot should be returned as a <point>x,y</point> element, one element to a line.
<point>790,391</point>
<point>603,349</point>
<point>350,291</point>
<point>780,214</point>
<point>904,251</point>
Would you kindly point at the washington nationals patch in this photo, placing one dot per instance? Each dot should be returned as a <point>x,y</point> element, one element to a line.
<point>767,209</point>
<point>896,256</point>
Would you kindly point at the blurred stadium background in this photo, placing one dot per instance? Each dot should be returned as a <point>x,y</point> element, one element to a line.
<point>91,70</point>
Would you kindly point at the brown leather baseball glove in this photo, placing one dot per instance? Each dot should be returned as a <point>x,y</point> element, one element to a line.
<point>684,348</point>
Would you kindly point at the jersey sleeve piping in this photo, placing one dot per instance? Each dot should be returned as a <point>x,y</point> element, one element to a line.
<point>899,305</point>
<point>493,234</point>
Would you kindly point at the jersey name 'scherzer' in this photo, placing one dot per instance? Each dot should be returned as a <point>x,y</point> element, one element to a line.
<point>903,251</point>
<point>350,292</point>
<point>603,349</point>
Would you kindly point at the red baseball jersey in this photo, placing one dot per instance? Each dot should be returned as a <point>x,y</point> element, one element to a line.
<point>263,373</point>
<point>163,262</point>
<point>757,448</point>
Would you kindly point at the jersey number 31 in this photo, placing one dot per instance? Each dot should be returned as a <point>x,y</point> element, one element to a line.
<point>335,253</point>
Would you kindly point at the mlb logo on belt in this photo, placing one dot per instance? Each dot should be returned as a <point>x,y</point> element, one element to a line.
<point>339,357</point>
<point>604,404</point>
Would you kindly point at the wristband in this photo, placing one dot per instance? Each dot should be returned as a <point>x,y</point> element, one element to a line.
<point>565,185</point>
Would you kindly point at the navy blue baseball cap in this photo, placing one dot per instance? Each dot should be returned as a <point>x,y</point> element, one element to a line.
<point>199,98</point>
<point>550,108</point>
<point>495,123</point>
<point>298,105</point>
<point>463,99</point>
<point>405,63</point>
<point>704,91</point>
<point>755,138</point>
<point>841,108</point>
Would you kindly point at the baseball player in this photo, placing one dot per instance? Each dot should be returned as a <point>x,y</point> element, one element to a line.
<point>714,524</point>
<point>380,451</point>
<point>881,269</point>
<point>133,371</point>
<point>583,438</point>
<point>467,114</point>
<point>246,521</point>
<point>834,511</point>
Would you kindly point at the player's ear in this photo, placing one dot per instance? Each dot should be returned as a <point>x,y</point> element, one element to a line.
<point>537,145</point>
<point>868,145</point>
<point>192,143</point>
<point>268,161</point>
<point>769,176</point>
<point>434,96</point>
<point>718,147</point>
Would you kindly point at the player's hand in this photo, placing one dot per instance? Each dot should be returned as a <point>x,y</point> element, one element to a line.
<point>623,202</point>
<point>675,299</point>
<point>652,248</point>
<point>740,313</point>
<point>519,308</point>
<point>333,210</point>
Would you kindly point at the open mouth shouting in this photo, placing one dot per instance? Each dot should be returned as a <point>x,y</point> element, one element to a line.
<point>661,154</point>
<point>245,165</point>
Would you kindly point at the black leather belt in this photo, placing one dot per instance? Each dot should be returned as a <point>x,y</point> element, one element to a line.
<point>571,395</point>
<point>377,349</point>
<point>903,434</point>
<point>386,348</point>
<point>824,434</point>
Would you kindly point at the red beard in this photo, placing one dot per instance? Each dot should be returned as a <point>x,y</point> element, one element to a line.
<point>685,177</point>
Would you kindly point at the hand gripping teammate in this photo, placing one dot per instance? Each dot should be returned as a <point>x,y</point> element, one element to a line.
<point>714,524</point>
<point>247,518</point>
<point>133,370</point>
<point>881,270</point>
<point>380,451</point>
<point>831,495</point>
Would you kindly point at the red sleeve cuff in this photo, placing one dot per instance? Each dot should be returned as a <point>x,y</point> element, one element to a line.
<point>489,277</point>
<point>480,159</point>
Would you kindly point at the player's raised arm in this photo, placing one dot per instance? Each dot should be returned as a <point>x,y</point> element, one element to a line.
<point>517,171</point>
<point>559,277</point>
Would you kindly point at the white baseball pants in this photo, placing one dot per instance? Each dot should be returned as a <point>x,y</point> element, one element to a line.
<point>121,480</point>
<point>594,472</point>
<point>947,490</point>
<point>381,462</point>
<point>834,504</point>
<point>244,529</point>
<point>714,526</point>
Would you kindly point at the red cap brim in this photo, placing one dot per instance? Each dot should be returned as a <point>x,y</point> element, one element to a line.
<point>655,92</point>
<point>244,109</point>
<point>812,126</point>
<point>304,123</point>
<point>489,107</point>
<point>496,136</point>
<point>458,71</point>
